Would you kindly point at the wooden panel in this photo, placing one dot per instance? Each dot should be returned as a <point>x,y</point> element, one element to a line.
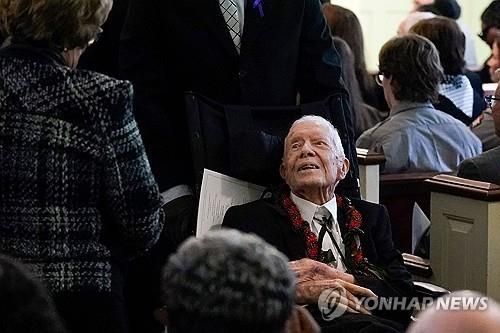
<point>465,243</point>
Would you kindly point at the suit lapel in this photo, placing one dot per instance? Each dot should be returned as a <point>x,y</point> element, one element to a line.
<point>209,12</point>
<point>294,241</point>
<point>255,24</point>
<point>341,220</point>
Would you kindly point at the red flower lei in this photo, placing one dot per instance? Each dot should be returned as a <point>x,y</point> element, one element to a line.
<point>354,253</point>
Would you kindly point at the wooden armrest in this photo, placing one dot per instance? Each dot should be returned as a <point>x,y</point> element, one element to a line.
<point>464,187</point>
<point>367,157</point>
<point>416,265</point>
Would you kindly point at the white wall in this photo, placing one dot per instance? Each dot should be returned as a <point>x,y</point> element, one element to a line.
<point>380,20</point>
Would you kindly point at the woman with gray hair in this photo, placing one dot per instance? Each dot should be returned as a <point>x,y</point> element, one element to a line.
<point>228,281</point>
<point>77,194</point>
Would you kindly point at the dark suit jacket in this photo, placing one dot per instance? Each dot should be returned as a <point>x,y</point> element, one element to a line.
<point>269,220</point>
<point>484,167</point>
<point>286,51</point>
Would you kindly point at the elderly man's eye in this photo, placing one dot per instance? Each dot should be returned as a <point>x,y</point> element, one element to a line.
<point>295,146</point>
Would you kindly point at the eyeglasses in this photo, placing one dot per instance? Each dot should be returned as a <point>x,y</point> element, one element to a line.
<point>96,37</point>
<point>491,101</point>
<point>378,78</point>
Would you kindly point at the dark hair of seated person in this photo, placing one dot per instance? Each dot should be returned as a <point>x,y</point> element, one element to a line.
<point>25,306</point>
<point>449,40</point>
<point>415,78</point>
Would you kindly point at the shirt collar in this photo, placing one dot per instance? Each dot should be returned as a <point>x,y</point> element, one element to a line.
<point>307,208</point>
<point>403,106</point>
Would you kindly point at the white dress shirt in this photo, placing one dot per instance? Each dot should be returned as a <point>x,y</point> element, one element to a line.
<point>307,211</point>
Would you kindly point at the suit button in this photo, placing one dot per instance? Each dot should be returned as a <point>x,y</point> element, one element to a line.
<point>242,74</point>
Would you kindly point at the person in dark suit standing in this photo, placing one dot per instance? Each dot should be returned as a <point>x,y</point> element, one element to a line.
<point>306,219</point>
<point>249,52</point>
<point>275,50</point>
<point>484,167</point>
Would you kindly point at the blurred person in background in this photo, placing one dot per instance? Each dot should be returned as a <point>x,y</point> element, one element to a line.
<point>490,30</point>
<point>345,24</point>
<point>457,97</point>
<point>363,115</point>
<point>416,137</point>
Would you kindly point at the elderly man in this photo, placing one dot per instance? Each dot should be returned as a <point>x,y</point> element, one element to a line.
<point>305,219</point>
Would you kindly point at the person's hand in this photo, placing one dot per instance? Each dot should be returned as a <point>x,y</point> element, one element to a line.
<point>308,270</point>
<point>347,294</point>
<point>301,321</point>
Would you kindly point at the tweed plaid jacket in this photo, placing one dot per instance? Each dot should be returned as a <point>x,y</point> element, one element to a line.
<point>76,188</point>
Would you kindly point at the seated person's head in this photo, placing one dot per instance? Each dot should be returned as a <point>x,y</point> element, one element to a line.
<point>25,306</point>
<point>412,19</point>
<point>313,159</point>
<point>484,319</point>
<point>494,61</point>
<point>449,40</point>
<point>227,281</point>
<point>490,22</point>
<point>411,69</point>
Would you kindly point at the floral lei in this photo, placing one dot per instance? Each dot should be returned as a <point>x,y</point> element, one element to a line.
<point>356,262</point>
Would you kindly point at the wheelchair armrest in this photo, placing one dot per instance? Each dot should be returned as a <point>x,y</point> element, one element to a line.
<point>428,289</point>
<point>417,265</point>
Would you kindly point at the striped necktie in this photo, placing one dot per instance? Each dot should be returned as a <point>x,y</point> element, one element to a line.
<point>330,256</point>
<point>230,13</point>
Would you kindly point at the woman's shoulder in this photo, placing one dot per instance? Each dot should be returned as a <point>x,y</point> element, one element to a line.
<point>100,80</point>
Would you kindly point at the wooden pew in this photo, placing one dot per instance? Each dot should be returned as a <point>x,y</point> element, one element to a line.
<point>369,170</point>
<point>465,234</point>
<point>399,192</point>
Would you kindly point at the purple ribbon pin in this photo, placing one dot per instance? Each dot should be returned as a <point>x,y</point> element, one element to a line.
<point>258,4</point>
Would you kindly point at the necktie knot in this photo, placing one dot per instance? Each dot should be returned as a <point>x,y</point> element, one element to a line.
<point>323,217</point>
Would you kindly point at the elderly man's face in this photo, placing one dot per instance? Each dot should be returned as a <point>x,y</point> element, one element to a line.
<point>311,161</point>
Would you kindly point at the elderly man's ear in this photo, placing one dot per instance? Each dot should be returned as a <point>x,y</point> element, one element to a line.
<point>282,170</point>
<point>342,171</point>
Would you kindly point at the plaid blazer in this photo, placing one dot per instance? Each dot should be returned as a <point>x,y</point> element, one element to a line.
<point>76,188</point>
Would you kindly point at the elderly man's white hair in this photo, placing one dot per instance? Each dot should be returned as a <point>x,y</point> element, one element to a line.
<point>464,320</point>
<point>334,134</point>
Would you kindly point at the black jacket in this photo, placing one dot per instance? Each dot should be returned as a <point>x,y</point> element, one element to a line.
<point>169,47</point>
<point>269,220</point>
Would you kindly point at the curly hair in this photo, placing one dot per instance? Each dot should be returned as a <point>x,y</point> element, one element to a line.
<point>57,24</point>
<point>412,61</point>
<point>228,281</point>
<point>448,39</point>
